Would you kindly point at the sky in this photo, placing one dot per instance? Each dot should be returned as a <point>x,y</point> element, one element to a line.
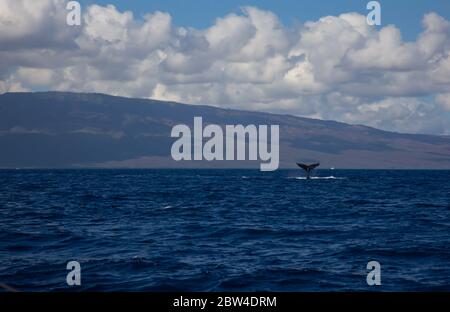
<point>317,59</point>
<point>405,14</point>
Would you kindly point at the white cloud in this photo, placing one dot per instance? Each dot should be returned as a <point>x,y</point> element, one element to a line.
<point>444,100</point>
<point>337,67</point>
<point>11,85</point>
<point>36,76</point>
<point>107,24</point>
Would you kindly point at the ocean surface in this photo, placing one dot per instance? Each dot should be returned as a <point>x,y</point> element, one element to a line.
<point>224,230</point>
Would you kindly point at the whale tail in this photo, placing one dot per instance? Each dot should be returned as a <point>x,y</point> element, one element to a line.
<point>308,168</point>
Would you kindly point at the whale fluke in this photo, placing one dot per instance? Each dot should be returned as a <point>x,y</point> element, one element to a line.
<point>308,168</point>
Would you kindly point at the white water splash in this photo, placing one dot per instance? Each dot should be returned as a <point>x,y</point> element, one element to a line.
<point>318,178</point>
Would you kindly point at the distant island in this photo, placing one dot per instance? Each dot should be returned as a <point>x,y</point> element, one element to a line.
<point>76,130</point>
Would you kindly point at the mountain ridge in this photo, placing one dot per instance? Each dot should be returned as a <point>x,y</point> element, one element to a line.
<point>95,130</point>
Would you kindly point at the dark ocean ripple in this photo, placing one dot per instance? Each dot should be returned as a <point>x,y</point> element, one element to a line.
<point>233,230</point>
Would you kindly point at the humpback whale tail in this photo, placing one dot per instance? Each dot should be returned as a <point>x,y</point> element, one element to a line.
<point>308,168</point>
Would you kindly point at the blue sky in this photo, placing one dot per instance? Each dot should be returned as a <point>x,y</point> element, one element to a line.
<point>264,57</point>
<point>405,14</point>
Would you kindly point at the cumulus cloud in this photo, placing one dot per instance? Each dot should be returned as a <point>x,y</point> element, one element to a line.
<point>444,100</point>
<point>337,67</point>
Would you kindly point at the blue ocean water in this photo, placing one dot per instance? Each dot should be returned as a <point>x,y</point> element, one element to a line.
<point>231,230</point>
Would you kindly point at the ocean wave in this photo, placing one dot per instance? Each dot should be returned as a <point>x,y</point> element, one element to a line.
<point>319,178</point>
<point>158,230</point>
